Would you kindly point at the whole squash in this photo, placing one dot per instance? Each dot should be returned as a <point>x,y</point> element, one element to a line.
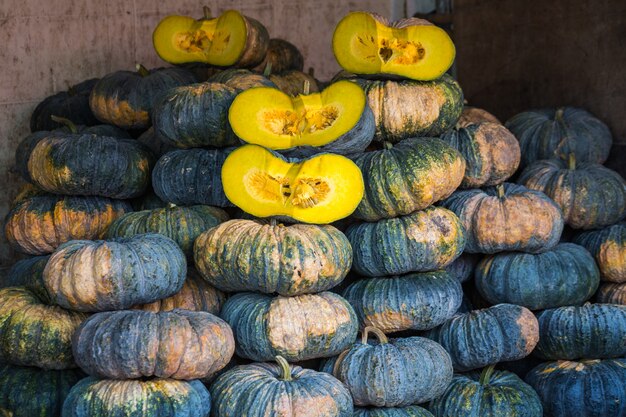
<point>410,411</point>
<point>611,293</point>
<point>28,273</point>
<point>462,268</point>
<point>608,247</point>
<point>474,115</point>
<point>281,56</point>
<point>241,79</point>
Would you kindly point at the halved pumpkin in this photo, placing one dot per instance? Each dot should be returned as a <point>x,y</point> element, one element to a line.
<point>338,119</point>
<point>230,39</point>
<point>320,189</point>
<point>366,43</point>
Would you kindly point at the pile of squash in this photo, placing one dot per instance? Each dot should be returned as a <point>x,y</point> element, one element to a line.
<point>209,239</point>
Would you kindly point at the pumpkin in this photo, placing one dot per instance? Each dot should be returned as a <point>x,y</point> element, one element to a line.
<point>295,82</point>
<point>28,273</point>
<point>178,344</point>
<point>281,56</point>
<point>417,301</point>
<point>504,332</point>
<point>267,389</point>
<point>253,255</point>
<point>589,331</point>
<point>181,224</point>
<point>590,195</point>
<point>549,133</point>
<point>608,247</point>
<point>489,393</point>
<point>148,201</point>
<point>409,176</point>
<point>39,224</point>
<point>321,189</point>
<point>425,240</point>
<point>367,43</point>
<point>85,164</point>
<point>565,275</point>
<point>491,152</point>
<point>299,328</point>
<point>195,295</point>
<point>231,39</point>
<point>394,372</point>
<point>155,143</point>
<point>474,115</point>
<point>462,268</point>
<point>241,79</point>
<point>72,104</point>
<point>336,120</point>
<point>406,109</point>
<point>410,411</point>
<point>508,217</point>
<point>191,176</point>
<point>33,333</point>
<point>195,115</point>
<point>126,98</point>
<point>115,274</point>
<point>611,293</point>
<point>93,397</point>
<point>588,388</point>
<point>33,392</point>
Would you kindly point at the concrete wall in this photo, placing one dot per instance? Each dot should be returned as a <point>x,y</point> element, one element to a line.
<point>48,45</point>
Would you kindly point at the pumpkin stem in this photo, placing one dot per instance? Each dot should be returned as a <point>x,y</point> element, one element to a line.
<point>485,375</point>
<point>268,70</point>
<point>306,89</point>
<point>273,222</point>
<point>66,122</point>
<point>143,71</point>
<point>285,368</point>
<point>387,145</point>
<point>312,72</point>
<point>171,205</point>
<point>558,115</point>
<point>500,190</point>
<point>571,161</point>
<point>340,359</point>
<point>71,91</point>
<point>382,339</point>
<point>206,13</point>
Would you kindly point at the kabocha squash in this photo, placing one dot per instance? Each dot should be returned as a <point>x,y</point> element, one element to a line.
<point>299,328</point>
<point>462,268</point>
<point>563,276</point>
<point>320,189</point>
<point>504,332</point>
<point>91,165</point>
<point>281,57</point>
<point>551,133</point>
<point>508,217</point>
<point>612,293</point>
<point>410,411</point>
<point>589,388</point>
<point>195,115</point>
<point>295,82</point>
<point>114,274</point>
<point>336,120</point>
<point>155,143</point>
<point>409,176</point>
<point>608,247</point>
<point>126,98</point>
<point>178,344</point>
<point>266,389</point>
<point>181,224</point>
<point>415,370</point>
<point>491,152</point>
<point>191,176</point>
<point>39,224</point>
<point>425,240</point>
<point>92,397</point>
<point>33,333</point>
<point>241,79</point>
<point>28,273</point>
<point>590,331</point>
<point>367,43</point>
<point>590,195</point>
<point>489,393</point>
<point>32,392</point>
<point>231,39</point>
<point>418,301</point>
<point>474,115</point>
<point>252,255</point>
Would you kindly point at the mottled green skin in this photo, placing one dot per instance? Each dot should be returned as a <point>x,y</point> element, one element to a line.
<point>28,273</point>
<point>591,331</point>
<point>241,79</point>
<point>259,390</point>
<point>542,135</point>
<point>592,388</point>
<point>418,301</point>
<point>608,247</point>
<point>181,224</point>
<point>410,411</point>
<point>195,116</point>
<point>412,175</point>
<point>503,394</point>
<point>565,275</point>
<point>33,392</point>
<point>92,397</point>
<point>425,240</point>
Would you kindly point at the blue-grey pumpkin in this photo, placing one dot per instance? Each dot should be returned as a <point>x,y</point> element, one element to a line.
<point>608,247</point>
<point>410,411</point>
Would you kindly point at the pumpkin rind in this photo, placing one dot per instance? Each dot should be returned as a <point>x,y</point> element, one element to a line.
<point>251,255</point>
<point>610,293</point>
<point>462,268</point>
<point>432,238</point>
<point>293,83</point>
<point>265,326</point>
<point>282,56</point>
<point>565,275</point>
<point>473,115</point>
<point>608,247</point>
<point>115,274</point>
<point>410,411</point>
<point>241,79</point>
<point>93,397</point>
<point>28,273</point>
<point>418,301</point>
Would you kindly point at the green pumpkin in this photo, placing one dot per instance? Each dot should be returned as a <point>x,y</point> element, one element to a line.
<point>612,293</point>
<point>256,255</point>
<point>409,176</point>
<point>410,411</point>
<point>28,273</point>
<point>241,79</point>
<point>608,247</point>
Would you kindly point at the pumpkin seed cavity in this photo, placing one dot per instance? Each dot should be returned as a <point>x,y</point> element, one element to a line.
<point>291,123</point>
<point>302,193</point>
<point>401,51</point>
<point>202,41</point>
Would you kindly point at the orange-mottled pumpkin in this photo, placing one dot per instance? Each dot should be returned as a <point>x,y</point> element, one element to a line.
<point>608,247</point>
